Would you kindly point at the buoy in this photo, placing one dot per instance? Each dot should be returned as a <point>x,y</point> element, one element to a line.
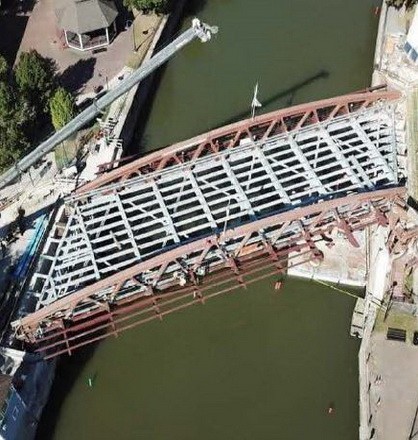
<point>91,380</point>
<point>278,285</point>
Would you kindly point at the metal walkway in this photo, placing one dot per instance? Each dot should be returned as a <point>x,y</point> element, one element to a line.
<point>273,185</point>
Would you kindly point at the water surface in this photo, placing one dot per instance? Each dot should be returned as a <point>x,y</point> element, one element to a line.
<point>253,364</point>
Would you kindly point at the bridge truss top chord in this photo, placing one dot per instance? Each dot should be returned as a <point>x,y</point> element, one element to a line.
<point>171,217</point>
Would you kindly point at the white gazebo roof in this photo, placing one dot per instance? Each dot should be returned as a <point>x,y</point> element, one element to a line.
<point>81,16</point>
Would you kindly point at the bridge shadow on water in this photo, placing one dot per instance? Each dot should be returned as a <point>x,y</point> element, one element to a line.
<point>289,94</point>
<point>67,373</point>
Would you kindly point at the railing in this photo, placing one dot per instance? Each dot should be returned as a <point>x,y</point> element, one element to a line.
<point>88,42</point>
<point>94,42</point>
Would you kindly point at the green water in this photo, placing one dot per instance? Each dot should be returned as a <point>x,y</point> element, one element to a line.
<point>282,44</point>
<point>253,364</point>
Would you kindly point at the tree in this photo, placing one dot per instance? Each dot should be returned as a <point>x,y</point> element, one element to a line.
<point>14,109</point>
<point>158,6</point>
<point>4,68</point>
<point>6,104</point>
<point>62,107</point>
<point>35,78</point>
<point>398,4</point>
<point>12,144</point>
<point>16,120</point>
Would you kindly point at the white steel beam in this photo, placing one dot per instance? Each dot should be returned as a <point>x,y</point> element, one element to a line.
<point>306,165</point>
<point>167,218</point>
<point>127,226</point>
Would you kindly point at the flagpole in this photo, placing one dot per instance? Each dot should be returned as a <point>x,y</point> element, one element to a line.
<point>255,102</point>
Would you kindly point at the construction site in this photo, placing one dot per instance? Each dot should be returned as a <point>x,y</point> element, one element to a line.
<point>288,192</point>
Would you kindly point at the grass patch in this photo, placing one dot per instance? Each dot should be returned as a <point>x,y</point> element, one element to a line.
<point>65,153</point>
<point>412,139</point>
<point>143,30</point>
<point>396,319</point>
<point>409,281</point>
<point>72,148</point>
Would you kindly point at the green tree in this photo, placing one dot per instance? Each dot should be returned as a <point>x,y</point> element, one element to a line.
<point>4,68</point>
<point>398,4</point>
<point>12,145</point>
<point>35,78</point>
<point>158,6</point>
<point>16,120</point>
<point>62,107</point>
<point>6,104</point>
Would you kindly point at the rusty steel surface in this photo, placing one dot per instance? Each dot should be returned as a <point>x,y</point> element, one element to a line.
<point>164,227</point>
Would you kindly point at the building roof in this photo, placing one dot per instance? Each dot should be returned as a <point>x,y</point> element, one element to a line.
<point>5,381</point>
<point>81,16</point>
<point>411,45</point>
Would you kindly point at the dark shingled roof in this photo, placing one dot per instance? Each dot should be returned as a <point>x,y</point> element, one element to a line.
<point>81,16</point>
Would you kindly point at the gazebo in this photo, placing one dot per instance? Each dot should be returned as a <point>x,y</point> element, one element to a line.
<point>87,24</point>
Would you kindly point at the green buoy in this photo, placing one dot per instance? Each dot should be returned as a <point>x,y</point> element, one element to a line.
<point>91,380</point>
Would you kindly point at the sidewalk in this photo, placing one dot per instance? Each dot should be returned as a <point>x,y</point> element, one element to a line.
<point>385,414</point>
<point>82,72</point>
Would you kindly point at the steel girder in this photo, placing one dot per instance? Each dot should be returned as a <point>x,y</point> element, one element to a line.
<point>261,127</point>
<point>335,148</point>
<point>112,227</point>
<point>293,240</point>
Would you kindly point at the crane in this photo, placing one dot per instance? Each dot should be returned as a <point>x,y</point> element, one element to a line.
<point>197,30</point>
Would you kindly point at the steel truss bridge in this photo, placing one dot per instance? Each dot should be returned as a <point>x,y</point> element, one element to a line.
<point>249,200</point>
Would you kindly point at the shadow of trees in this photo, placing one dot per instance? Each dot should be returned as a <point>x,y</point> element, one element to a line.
<point>124,16</point>
<point>13,7</point>
<point>14,16</point>
<point>12,27</point>
<point>76,76</point>
<point>193,7</point>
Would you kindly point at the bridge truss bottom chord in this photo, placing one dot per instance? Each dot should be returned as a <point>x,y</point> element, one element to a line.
<point>253,262</point>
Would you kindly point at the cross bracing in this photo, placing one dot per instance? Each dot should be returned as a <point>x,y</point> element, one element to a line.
<point>286,239</point>
<point>112,228</point>
<point>176,214</point>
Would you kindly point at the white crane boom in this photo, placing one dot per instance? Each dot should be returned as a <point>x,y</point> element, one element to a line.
<point>197,30</point>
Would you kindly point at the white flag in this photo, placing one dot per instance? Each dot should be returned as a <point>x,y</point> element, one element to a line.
<point>256,102</point>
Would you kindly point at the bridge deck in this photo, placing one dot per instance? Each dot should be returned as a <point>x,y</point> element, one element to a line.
<point>133,225</point>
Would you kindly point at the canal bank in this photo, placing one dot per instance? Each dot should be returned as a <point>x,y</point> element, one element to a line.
<point>386,378</point>
<point>266,378</point>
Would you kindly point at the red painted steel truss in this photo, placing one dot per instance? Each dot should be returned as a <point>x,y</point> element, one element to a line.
<point>57,328</point>
<point>261,127</point>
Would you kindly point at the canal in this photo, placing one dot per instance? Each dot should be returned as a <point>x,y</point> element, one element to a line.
<point>254,364</point>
